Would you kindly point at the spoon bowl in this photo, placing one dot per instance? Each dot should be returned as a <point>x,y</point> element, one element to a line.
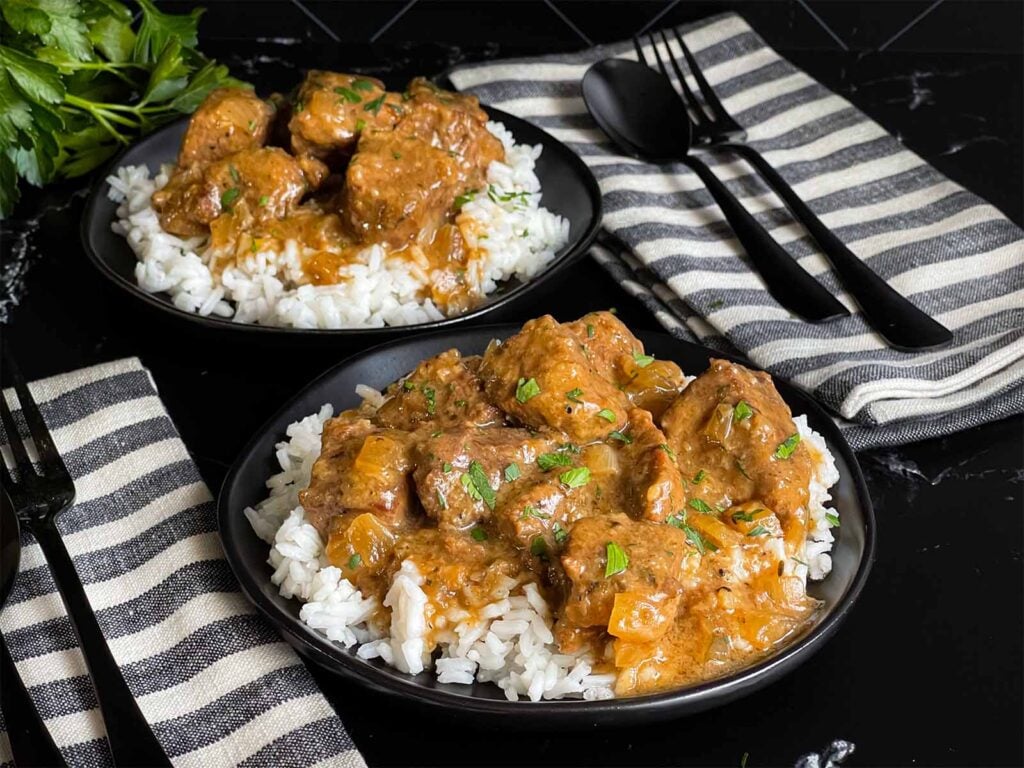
<point>638,109</point>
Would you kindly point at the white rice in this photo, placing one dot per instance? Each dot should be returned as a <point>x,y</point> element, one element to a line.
<point>508,232</point>
<point>510,642</point>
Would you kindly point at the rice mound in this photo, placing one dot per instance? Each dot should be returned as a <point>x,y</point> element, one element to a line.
<point>510,233</point>
<point>510,644</point>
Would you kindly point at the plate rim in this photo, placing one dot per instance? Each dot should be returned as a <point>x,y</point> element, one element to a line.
<point>97,194</point>
<point>687,700</point>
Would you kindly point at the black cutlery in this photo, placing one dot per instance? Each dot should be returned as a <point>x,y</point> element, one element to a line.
<point>38,499</point>
<point>640,111</point>
<point>31,743</point>
<point>895,318</point>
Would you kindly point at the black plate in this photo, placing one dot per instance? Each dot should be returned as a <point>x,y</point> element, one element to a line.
<point>569,189</point>
<point>247,554</point>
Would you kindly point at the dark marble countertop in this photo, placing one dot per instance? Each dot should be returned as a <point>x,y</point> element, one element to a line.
<point>927,669</point>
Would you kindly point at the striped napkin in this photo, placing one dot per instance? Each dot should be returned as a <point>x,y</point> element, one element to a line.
<point>217,683</point>
<point>954,255</point>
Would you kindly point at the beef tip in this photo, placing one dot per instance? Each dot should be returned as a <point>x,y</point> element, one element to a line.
<point>399,188</point>
<point>361,468</point>
<point>653,486</point>
<point>652,574</point>
<point>542,377</point>
<point>265,184</point>
<point>726,429</point>
<point>453,122</point>
<point>332,109</point>
<point>443,391</point>
<point>229,120</point>
<point>452,465</point>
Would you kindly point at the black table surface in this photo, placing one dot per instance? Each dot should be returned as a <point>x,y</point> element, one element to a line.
<point>927,670</point>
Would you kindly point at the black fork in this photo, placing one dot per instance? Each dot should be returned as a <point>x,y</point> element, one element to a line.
<point>39,497</point>
<point>892,315</point>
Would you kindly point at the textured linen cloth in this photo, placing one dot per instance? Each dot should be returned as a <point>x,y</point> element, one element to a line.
<point>957,257</point>
<point>214,680</point>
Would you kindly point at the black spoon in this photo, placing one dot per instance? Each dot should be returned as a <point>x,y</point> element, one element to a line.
<point>31,743</point>
<point>640,111</point>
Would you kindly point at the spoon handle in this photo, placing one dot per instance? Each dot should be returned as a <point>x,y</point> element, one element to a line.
<point>31,743</point>
<point>787,281</point>
<point>132,742</point>
<point>902,324</point>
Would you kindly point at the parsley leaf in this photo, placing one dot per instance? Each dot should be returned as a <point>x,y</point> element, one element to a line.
<point>701,506</point>
<point>576,477</point>
<point>698,477</point>
<point>832,519</point>
<point>527,389</point>
<point>478,534</point>
<point>787,446</point>
<point>758,530</point>
<point>355,561</point>
<point>742,411</point>
<point>642,360</point>
<point>474,480</point>
<point>548,461</point>
<point>512,472</point>
<point>623,438</point>
<point>574,395</point>
<point>616,560</point>
<point>607,414</point>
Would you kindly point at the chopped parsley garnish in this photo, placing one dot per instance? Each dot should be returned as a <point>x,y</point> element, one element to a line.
<point>698,477</point>
<point>374,106</point>
<point>570,447</point>
<point>607,414</point>
<point>408,386</point>
<point>616,435</point>
<point>560,533</point>
<point>590,331</point>
<point>527,389</point>
<point>787,446</point>
<point>442,502</point>
<point>532,511</point>
<point>430,394</point>
<point>362,84</point>
<point>360,124</point>
<point>396,155</point>
<point>678,520</point>
<point>437,433</point>
<point>576,477</point>
<point>701,544</point>
<point>617,560</point>
<point>669,451</point>
<point>758,530</point>
<point>642,360</point>
<point>512,472</point>
<point>742,469</point>
<point>464,198</point>
<point>701,506</point>
<point>742,411</point>
<point>548,461</point>
<point>234,173</point>
<point>229,196</point>
<point>574,395</point>
<point>478,534</point>
<point>348,95</point>
<point>355,561</point>
<point>475,482</point>
<point>263,201</point>
<point>832,519</point>
<point>397,109</point>
<point>446,467</point>
<point>801,562</point>
<point>741,516</point>
<point>539,547</point>
<point>252,126</point>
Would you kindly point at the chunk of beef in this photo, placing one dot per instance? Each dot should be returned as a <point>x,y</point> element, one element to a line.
<point>726,429</point>
<point>332,109</point>
<point>361,468</point>
<point>262,184</point>
<point>229,120</point>
<point>443,391</point>
<point>652,573</point>
<point>542,378</point>
<point>451,466</point>
<point>653,487</point>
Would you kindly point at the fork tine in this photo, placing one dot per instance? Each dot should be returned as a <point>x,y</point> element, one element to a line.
<point>710,97</point>
<point>639,50</point>
<point>657,54</point>
<point>25,469</point>
<point>49,458</point>
<point>688,97</point>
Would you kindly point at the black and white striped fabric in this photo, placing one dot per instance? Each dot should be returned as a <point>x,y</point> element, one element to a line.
<point>954,255</point>
<point>215,681</point>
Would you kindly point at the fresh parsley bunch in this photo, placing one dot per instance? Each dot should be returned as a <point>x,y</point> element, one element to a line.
<point>81,78</point>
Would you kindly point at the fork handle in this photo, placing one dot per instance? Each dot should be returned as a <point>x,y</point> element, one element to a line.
<point>787,281</point>
<point>132,742</point>
<point>901,323</point>
<point>31,743</point>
